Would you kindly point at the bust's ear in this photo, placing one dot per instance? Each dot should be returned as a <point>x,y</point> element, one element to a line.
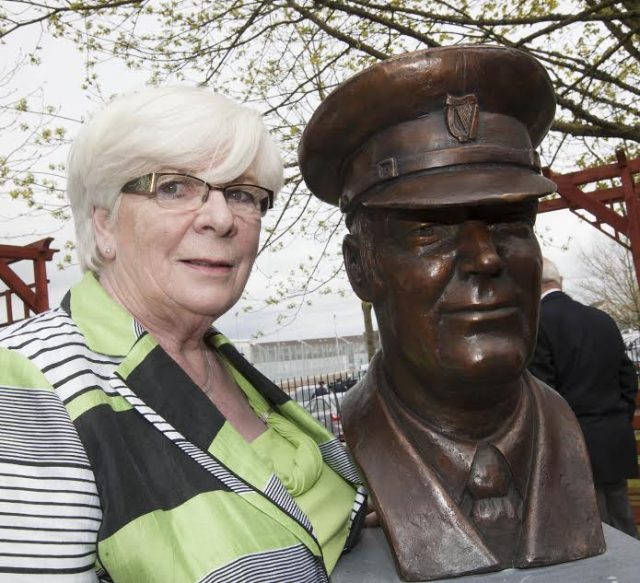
<point>360,272</point>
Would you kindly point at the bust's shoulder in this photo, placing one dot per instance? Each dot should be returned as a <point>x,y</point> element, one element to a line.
<point>359,394</point>
<point>361,405</point>
<point>549,403</point>
<point>540,390</point>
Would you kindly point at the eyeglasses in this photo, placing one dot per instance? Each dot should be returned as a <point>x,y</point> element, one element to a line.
<point>182,192</point>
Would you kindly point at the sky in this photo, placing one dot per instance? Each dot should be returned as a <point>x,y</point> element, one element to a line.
<point>59,78</point>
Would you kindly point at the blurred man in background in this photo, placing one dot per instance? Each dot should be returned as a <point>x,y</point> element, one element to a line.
<point>580,353</point>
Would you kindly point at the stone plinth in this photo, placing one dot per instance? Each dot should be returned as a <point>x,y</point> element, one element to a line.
<point>371,562</point>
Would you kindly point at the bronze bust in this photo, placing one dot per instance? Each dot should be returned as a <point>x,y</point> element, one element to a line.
<point>473,464</point>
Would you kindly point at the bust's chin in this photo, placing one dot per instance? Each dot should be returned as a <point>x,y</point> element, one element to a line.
<point>481,367</point>
<point>484,371</point>
<point>478,355</point>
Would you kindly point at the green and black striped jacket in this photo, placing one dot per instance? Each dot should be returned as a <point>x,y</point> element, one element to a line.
<point>106,464</point>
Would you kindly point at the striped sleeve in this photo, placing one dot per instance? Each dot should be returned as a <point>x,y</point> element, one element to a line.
<point>49,508</point>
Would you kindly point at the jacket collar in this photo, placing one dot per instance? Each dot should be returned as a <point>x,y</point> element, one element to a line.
<point>552,293</point>
<point>106,325</point>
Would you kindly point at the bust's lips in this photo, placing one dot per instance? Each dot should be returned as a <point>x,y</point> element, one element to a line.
<point>482,310</point>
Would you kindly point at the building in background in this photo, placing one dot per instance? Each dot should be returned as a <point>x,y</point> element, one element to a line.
<point>287,359</point>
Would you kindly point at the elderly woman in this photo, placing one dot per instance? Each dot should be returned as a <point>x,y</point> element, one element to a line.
<point>136,444</point>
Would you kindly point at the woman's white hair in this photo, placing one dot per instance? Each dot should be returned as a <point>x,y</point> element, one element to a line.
<point>184,129</point>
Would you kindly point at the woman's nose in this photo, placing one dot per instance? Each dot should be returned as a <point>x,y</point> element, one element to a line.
<point>479,253</point>
<point>215,214</point>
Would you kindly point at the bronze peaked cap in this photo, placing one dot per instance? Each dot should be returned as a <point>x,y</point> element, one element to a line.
<point>438,127</point>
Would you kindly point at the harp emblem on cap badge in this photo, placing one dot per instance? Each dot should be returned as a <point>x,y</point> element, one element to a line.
<point>462,117</point>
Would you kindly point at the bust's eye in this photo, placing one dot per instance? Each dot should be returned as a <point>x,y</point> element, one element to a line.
<point>428,234</point>
<point>516,228</point>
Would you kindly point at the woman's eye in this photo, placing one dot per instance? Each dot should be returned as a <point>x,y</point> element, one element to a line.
<point>173,189</point>
<point>240,196</point>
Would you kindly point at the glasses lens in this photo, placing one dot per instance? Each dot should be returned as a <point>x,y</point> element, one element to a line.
<point>177,191</point>
<point>247,198</point>
<point>142,184</point>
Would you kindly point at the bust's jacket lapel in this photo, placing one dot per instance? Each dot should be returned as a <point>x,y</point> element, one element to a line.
<point>560,498</point>
<point>391,465</point>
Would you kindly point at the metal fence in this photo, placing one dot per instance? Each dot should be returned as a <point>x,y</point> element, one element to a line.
<point>633,352</point>
<point>322,396</point>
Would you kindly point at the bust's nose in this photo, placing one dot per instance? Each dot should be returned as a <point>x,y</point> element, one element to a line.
<point>478,251</point>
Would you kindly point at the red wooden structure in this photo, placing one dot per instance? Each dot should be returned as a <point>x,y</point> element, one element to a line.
<point>34,296</point>
<point>609,194</point>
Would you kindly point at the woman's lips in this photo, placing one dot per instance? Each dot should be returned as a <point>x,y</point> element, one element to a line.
<point>208,265</point>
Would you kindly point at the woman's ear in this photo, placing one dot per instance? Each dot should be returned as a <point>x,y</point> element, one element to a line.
<point>103,229</point>
<point>359,272</point>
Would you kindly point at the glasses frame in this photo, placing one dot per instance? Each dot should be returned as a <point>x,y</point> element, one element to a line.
<point>151,193</point>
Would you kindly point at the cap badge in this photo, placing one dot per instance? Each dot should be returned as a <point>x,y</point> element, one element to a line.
<point>462,117</point>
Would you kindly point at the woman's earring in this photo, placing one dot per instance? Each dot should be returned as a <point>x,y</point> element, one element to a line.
<point>107,251</point>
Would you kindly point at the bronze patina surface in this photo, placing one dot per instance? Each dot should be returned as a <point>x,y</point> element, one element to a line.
<point>472,463</point>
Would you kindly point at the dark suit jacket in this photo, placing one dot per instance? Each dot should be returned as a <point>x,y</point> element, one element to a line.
<point>429,532</point>
<point>580,353</point>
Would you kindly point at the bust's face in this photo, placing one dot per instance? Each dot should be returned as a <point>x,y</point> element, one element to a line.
<point>456,291</point>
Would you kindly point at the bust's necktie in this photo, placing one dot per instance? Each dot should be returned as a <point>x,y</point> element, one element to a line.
<point>491,500</point>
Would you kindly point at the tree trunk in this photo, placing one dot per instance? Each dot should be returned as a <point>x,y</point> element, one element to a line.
<point>368,329</point>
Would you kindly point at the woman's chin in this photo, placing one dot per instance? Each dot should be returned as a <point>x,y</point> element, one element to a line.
<point>205,308</point>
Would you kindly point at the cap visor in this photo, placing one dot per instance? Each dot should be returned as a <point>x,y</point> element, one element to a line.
<point>453,188</point>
